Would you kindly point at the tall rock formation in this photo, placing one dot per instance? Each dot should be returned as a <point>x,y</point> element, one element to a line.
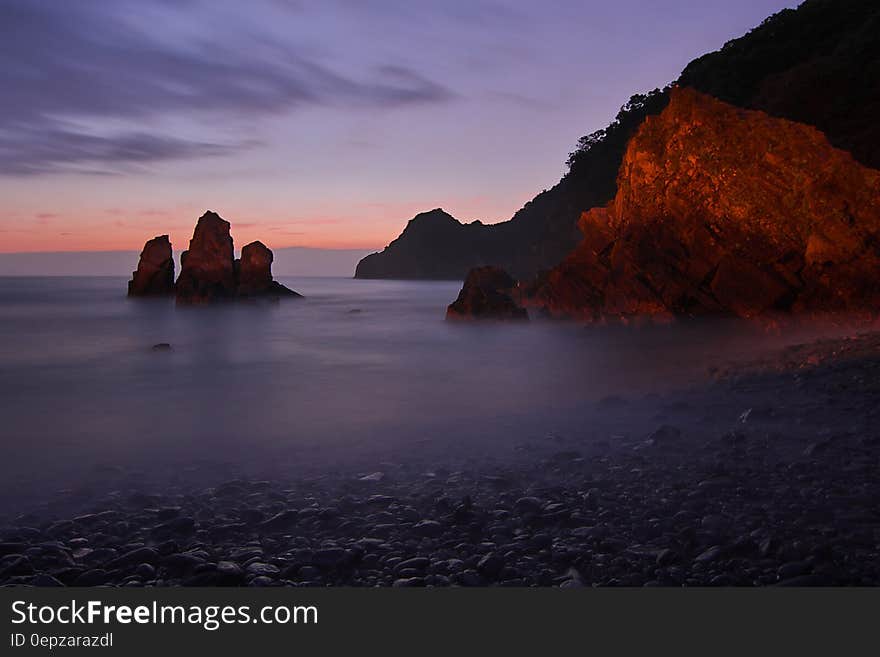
<point>254,273</point>
<point>721,210</point>
<point>155,270</point>
<point>209,272</point>
<point>207,268</point>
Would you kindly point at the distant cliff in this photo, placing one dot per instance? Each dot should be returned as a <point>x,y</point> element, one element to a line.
<point>433,245</point>
<point>436,245</point>
<point>818,65</point>
<point>721,210</point>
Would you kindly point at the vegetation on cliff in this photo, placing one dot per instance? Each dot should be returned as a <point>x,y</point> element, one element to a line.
<point>818,65</point>
<point>721,210</point>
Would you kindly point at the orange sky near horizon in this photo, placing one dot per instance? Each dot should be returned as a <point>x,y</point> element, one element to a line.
<point>299,126</point>
<point>368,226</point>
<point>125,231</point>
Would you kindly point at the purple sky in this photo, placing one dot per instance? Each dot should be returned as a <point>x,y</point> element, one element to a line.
<point>313,123</point>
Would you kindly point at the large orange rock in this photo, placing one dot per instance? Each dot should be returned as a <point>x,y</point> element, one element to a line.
<point>207,269</point>
<point>155,270</point>
<point>721,210</point>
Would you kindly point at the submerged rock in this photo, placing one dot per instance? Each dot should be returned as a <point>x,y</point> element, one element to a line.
<point>487,294</point>
<point>207,268</point>
<point>155,271</point>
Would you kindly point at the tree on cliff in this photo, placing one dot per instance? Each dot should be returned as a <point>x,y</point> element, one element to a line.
<point>604,148</point>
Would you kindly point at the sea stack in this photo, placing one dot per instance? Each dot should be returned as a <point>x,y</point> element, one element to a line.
<point>207,268</point>
<point>487,294</point>
<point>209,271</point>
<point>154,276</point>
<point>254,272</point>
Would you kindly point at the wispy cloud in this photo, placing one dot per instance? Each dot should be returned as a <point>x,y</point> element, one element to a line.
<point>63,65</point>
<point>42,147</point>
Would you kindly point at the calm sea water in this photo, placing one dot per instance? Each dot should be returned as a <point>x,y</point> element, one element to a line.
<point>357,367</point>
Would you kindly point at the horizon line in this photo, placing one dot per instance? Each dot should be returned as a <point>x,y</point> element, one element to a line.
<point>135,250</point>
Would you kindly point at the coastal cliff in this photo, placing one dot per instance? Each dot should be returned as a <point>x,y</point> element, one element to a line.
<point>725,211</point>
<point>818,65</point>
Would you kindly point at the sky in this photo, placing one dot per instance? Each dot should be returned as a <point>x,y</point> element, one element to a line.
<point>320,124</point>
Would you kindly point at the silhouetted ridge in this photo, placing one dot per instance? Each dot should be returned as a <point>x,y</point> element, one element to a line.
<point>818,65</point>
<point>538,236</point>
<point>434,245</point>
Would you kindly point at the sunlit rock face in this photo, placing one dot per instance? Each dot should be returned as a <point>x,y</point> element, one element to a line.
<point>254,273</point>
<point>486,294</point>
<point>724,211</point>
<point>207,269</point>
<point>155,270</point>
<point>817,64</point>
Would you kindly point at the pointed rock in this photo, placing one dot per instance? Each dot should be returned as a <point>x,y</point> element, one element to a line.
<point>486,294</point>
<point>155,270</point>
<point>207,269</point>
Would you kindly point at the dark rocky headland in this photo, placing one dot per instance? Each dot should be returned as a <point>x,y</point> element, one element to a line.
<point>740,189</point>
<point>816,65</point>
<point>766,477</point>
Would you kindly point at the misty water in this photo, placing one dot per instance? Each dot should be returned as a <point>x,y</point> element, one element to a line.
<point>356,370</point>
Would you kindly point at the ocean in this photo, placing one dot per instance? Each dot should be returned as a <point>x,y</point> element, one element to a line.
<point>356,370</point>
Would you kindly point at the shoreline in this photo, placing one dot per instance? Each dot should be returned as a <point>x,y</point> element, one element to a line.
<point>765,476</point>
